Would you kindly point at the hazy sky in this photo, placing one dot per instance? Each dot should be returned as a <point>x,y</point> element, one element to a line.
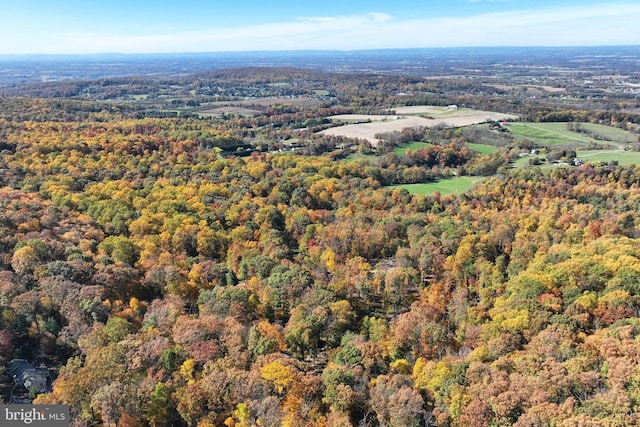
<point>149,26</point>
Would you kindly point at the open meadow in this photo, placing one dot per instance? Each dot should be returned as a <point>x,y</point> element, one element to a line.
<point>560,133</point>
<point>407,118</point>
<point>402,149</point>
<point>623,158</point>
<point>456,185</point>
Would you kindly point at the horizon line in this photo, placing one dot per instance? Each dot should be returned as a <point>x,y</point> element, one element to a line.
<point>32,54</point>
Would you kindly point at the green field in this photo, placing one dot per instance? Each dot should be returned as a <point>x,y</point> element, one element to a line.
<point>355,157</point>
<point>548,133</point>
<point>457,185</point>
<point>611,133</point>
<point>588,156</point>
<point>559,134</point>
<point>402,149</point>
<point>523,162</point>
<point>622,157</point>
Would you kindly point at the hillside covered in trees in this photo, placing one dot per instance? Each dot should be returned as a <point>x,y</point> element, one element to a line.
<point>168,280</point>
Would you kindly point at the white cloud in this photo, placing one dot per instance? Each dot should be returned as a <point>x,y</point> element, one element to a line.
<point>369,17</point>
<point>588,25</point>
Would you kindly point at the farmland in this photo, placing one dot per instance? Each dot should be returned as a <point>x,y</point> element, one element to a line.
<point>560,133</point>
<point>440,116</point>
<point>621,157</point>
<point>455,185</point>
<point>483,149</point>
<point>402,149</point>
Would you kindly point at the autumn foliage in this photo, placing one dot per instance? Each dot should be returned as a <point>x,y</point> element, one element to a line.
<point>174,286</point>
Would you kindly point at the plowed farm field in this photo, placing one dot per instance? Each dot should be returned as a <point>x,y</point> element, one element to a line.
<point>410,117</point>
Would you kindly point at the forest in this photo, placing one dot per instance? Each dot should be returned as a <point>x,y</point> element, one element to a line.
<point>167,281</point>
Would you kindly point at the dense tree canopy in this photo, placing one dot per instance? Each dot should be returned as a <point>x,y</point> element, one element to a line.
<point>176,286</point>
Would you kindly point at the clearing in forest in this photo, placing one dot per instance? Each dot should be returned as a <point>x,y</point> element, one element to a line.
<point>454,185</point>
<point>563,133</point>
<point>407,117</point>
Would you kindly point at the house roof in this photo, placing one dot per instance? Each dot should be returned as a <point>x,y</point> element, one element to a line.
<point>31,377</point>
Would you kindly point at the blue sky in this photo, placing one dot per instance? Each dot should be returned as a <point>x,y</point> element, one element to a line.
<point>152,26</point>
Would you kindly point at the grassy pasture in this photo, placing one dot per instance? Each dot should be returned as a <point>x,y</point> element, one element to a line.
<point>591,156</point>
<point>402,149</point>
<point>456,185</point>
<point>558,134</point>
<point>611,133</point>
<point>622,157</point>
<point>548,133</point>
<point>523,162</point>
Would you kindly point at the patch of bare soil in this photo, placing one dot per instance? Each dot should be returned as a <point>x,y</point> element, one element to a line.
<point>458,118</point>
